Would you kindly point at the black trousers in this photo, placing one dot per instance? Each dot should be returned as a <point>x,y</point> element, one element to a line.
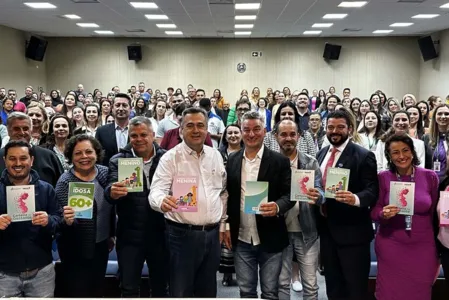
<point>130,261</point>
<point>84,278</point>
<point>346,269</point>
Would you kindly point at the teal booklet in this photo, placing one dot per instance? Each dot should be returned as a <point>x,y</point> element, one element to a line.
<point>81,199</point>
<point>337,179</point>
<point>256,194</point>
<point>21,203</point>
<point>130,172</point>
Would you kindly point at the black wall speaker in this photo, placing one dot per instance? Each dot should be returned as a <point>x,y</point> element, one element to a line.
<point>427,48</point>
<point>35,49</point>
<point>135,52</point>
<point>331,52</point>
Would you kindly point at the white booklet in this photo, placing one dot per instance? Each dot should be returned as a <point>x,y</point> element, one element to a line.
<point>20,202</point>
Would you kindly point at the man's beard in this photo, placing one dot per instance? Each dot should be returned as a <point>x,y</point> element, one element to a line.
<point>343,139</point>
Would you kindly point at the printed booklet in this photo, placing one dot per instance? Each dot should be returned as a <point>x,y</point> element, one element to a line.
<point>185,190</point>
<point>255,195</point>
<point>20,202</point>
<point>402,194</point>
<point>81,199</point>
<point>444,208</point>
<point>337,179</point>
<point>130,172</point>
<point>302,181</point>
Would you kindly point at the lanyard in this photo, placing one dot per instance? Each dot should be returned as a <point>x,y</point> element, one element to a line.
<point>408,219</point>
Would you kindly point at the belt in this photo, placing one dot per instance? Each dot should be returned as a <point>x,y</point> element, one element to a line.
<point>208,227</point>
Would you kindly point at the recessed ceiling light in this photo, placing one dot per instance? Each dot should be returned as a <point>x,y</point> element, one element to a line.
<point>243,26</point>
<point>380,31</point>
<point>247,6</point>
<point>156,17</point>
<point>242,33</point>
<point>87,25</point>
<point>353,4</point>
<point>108,32</point>
<point>335,16</point>
<point>72,17</point>
<point>312,32</point>
<point>173,32</point>
<point>322,25</point>
<point>39,5</point>
<point>425,16</point>
<point>401,24</point>
<point>166,25</point>
<point>445,5</point>
<point>148,5</point>
<point>249,17</point>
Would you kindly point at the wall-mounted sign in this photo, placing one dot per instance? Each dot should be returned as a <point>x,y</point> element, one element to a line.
<point>241,67</point>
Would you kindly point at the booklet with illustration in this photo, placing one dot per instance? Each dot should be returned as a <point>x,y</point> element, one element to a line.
<point>81,199</point>
<point>402,194</point>
<point>337,179</point>
<point>256,193</point>
<point>185,191</point>
<point>130,172</point>
<point>20,202</point>
<point>302,181</point>
<point>444,208</point>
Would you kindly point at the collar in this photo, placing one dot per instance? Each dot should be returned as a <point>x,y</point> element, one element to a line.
<point>117,127</point>
<point>190,151</point>
<point>342,147</point>
<point>145,161</point>
<point>294,162</point>
<point>259,154</point>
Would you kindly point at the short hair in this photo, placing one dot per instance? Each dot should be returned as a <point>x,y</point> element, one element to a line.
<point>178,94</point>
<point>71,143</point>
<point>315,113</point>
<point>347,89</point>
<point>123,95</point>
<point>304,94</point>
<point>406,140</point>
<point>201,90</point>
<point>14,144</point>
<point>193,111</point>
<point>17,115</point>
<point>170,88</point>
<point>341,114</point>
<point>253,115</point>
<point>179,110</point>
<point>264,100</point>
<point>205,102</point>
<point>140,120</point>
<point>242,101</point>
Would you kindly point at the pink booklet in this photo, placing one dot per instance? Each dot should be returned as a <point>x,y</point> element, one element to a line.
<point>443,210</point>
<point>185,191</point>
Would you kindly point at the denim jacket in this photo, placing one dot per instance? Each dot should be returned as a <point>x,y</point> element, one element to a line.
<point>307,219</point>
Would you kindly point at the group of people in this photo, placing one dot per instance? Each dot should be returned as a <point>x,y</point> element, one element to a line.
<point>379,141</point>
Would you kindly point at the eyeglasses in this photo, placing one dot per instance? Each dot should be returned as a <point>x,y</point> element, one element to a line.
<point>243,109</point>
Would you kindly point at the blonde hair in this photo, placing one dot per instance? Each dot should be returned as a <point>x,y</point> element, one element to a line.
<point>45,123</point>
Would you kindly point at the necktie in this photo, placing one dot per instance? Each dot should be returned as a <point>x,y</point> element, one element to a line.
<point>123,139</point>
<point>329,164</point>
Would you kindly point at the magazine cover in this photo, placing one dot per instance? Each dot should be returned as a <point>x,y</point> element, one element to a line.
<point>130,172</point>
<point>302,181</point>
<point>444,208</point>
<point>81,199</point>
<point>20,202</point>
<point>256,193</point>
<point>402,194</point>
<point>185,190</point>
<point>337,179</point>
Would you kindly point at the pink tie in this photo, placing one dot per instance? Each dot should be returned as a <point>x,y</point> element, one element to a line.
<point>329,164</point>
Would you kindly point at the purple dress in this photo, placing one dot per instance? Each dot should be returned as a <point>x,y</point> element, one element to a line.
<point>407,261</point>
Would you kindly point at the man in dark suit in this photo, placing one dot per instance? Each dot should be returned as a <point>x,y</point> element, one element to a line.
<point>345,225</point>
<point>259,239</point>
<point>114,136</point>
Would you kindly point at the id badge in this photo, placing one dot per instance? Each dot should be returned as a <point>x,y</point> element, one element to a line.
<point>408,223</point>
<point>436,166</point>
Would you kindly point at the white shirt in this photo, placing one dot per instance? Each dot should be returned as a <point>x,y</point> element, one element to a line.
<point>154,124</point>
<point>215,126</point>
<point>212,194</point>
<point>248,227</point>
<point>291,217</point>
<point>121,136</point>
<point>147,165</point>
<point>165,125</point>
<point>340,149</point>
<point>382,162</point>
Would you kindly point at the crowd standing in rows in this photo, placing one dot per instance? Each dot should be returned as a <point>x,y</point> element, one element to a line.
<point>52,140</point>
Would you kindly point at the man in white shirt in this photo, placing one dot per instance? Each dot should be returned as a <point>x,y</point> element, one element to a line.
<point>215,124</point>
<point>258,239</point>
<point>300,220</point>
<point>194,238</point>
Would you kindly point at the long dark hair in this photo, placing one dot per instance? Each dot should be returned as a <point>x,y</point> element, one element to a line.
<point>419,125</point>
<point>406,140</point>
<point>141,111</point>
<point>51,142</point>
<point>425,119</point>
<point>224,143</point>
<point>277,117</point>
<point>64,107</point>
<point>378,131</point>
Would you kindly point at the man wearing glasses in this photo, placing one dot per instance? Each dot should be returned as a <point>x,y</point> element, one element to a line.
<point>241,107</point>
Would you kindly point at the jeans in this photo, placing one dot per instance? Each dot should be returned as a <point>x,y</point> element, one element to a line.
<point>247,260</point>
<point>194,261</point>
<point>38,285</point>
<point>307,257</point>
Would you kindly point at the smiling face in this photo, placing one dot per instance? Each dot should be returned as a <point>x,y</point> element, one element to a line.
<point>423,108</point>
<point>287,137</point>
<point>442,116</point>
<point>253,133</point>
<point>37,118</point>
<point>161,108</point>
<point>20,130</point>
<point>18,163</point>
<point>262,103</point>
<point>194,130</point>
<point>287,113</point>
<point>364,108</point>
<point>337,131</point>
<point>92,114</point>
<point>392,106</point>
<point>84,156</point>
<point>401,155</point>
<point>401,123</point>
<point>140,103</point>
<point>414,115</point>
<point>69,101</point>
<point>233,135</point>
<point>78,114</point>
<point>141,138</point>
<point>355,105</point>
<point>331,104</point>
<point>314,122</point>
<point>375,100</point>
<point>60,128</point>
<point>371,120</point>
<point>241,110</point>
<point>408,101</point>
<point>302,101</point>
<point>8,105</point>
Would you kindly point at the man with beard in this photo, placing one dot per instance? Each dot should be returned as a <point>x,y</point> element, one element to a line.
<point>26,265</point>
<point>191,92</point>
<point>300,220</point>
<point>119,129</point>
<point>2,94</point>
<point>170,121</point>
<point>345,226</point>
<point>302,104</point>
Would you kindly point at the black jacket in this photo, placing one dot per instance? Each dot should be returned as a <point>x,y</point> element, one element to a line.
<point>274,169</point>
<point>351,225</point>
<point>24,246</point>
<point>46,164</point>
<point>137,224</point>
<point>106,136</point>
